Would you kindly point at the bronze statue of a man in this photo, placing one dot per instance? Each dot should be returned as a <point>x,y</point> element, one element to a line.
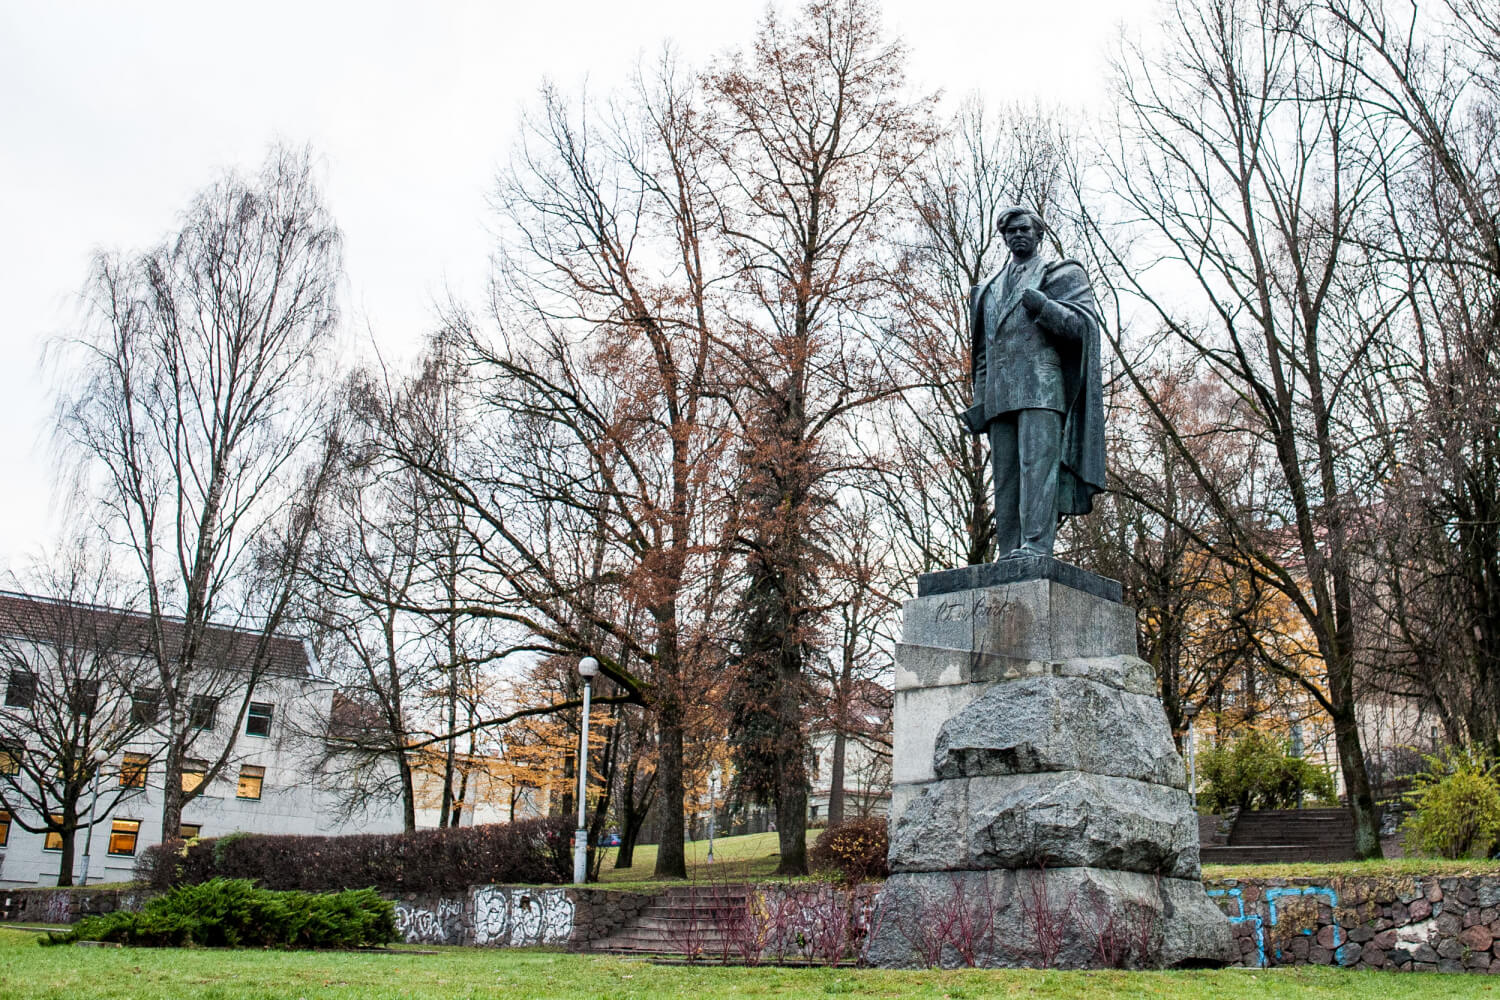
<point>1035,332</point>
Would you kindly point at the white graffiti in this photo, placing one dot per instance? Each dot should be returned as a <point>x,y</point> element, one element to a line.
<point>518,917</point>
<point>420,925</point>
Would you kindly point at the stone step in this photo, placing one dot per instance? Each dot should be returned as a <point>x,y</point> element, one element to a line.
<point>675,925</point>
<point>1256,854</point>
<point>1329,832</point>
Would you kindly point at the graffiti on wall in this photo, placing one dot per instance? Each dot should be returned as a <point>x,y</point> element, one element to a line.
<point>422,925</point>
<point>1289,912</point>
<point>518,917</point>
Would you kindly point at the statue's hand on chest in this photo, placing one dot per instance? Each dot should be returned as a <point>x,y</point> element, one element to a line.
<point>1033,301</point>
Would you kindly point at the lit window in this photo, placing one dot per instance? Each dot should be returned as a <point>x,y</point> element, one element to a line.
<point>251,778</point>
<point>258,719</point>
<point>122,836</point>
<point>133,770</point>
<point>193,773</point>
<point>204,711</point>
<point>20,690</point>
<point>145,705</point>
<point>4,827</point>
<point>190,831</point>
<point>83,697</point>
<point>53,840</point>
<point>10,757</point>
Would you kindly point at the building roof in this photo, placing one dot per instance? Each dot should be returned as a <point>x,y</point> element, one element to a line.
<point>53,621</point>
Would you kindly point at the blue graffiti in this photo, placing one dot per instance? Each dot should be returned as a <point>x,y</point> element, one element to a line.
<point>1253,919</point>
<point>1308,890</point>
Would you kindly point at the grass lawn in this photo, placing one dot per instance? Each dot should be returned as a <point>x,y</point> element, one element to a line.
<point>1379,869</point>
<point>751,856</point>
<point>754,856</point>
<point>70,973</point>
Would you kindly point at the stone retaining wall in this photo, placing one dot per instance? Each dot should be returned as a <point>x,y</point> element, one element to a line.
<point>1400,923</point>
<point>64,906</point>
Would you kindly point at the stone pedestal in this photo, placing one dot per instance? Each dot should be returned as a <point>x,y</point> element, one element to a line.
<point>1039,804</point>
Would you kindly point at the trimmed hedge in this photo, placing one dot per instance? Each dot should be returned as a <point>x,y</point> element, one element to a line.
<point>233,913</point>
<point>534,852</point>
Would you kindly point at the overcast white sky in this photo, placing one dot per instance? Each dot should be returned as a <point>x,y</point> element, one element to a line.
<point>113,114</point>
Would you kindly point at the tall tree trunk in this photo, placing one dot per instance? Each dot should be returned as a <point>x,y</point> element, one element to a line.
<point>65,857</point>
<point>408,794</point>
<point>671,853</point>
<point>625,856</point>
<point>171,806</point>
<point>1352,765</point>
<point>836,780</point>
<point>791,782</point>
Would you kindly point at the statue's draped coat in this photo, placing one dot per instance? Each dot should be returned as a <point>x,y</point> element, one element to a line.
<point>1065,283</point>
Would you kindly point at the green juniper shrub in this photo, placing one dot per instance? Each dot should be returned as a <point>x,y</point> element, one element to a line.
<point>1257,771</point>
<point>233,913</point>
<point>1456,804</point>
<point>855,850</point>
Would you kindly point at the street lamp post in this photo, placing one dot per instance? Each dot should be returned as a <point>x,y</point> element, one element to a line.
<point>88,837</point>
<point>587,668</point>
<point>713,807</point>
<point>1190,712</point>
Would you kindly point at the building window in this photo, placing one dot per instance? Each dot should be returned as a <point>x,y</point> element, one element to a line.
<point>204,710</point>
<point>251,778</point>
<point>4,827</point>
<point>20,689</point>
<point>190,831</point>
<point>83,697</point>
<point>145,705</point>
<point>194,772</point>
<point>122,836</point>
<point>10,757</point>
<point>133,770</point>
<point>53,840</point>
<point>258,720</point>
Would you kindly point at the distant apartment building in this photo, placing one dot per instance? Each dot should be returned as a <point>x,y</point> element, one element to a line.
<point>272,782</point>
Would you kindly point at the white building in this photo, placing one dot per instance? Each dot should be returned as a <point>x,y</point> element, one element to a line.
<point>270,783</point>
<point>867,757</point>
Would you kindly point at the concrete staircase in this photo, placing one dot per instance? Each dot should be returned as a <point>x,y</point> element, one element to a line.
<point>1285,835</point>
<point>687,921</point>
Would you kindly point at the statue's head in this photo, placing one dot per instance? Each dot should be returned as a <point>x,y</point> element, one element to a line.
<point>1021,229</point>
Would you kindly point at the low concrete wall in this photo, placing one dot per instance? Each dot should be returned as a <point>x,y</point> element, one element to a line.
<point>1399,923</point>
<point>494,915</point>
<point>64,906</point>
<point>516,916</point>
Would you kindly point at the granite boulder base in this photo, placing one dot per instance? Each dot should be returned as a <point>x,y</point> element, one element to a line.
<point>1039,800</point>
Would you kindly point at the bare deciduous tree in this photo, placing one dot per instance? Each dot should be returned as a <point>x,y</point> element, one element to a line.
<point>1241,150</point>
<point>816,132</point>
<point>195,416</point>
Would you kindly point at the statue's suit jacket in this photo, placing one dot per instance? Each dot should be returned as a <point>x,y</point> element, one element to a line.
<point>1071,320</point>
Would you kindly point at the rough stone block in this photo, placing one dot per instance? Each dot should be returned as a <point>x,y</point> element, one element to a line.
<point>1059,724</point>
<point>1063,819</point>
<point>1181,925</point>
<point>1028,733</point>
